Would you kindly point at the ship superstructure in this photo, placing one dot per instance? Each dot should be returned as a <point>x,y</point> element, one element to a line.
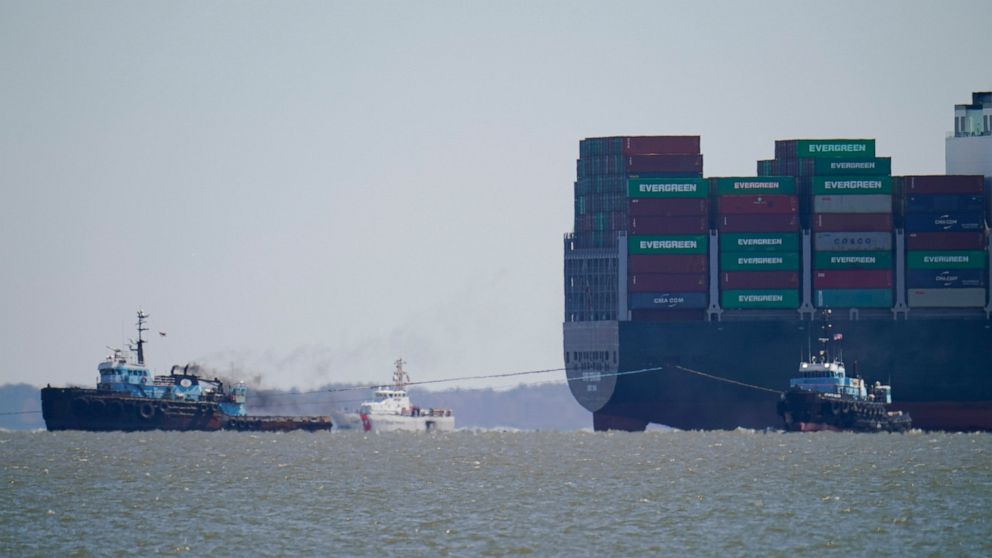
<point>707,285</point>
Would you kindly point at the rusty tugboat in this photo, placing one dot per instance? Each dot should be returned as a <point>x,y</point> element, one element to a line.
<point>128,397</point>
<point>823,397</point>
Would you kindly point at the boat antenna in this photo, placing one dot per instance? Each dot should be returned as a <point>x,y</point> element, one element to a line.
<point>400,377</point>
<point>142,316</point>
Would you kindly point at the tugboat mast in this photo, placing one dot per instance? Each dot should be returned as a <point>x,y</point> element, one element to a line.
<point>141,342</point>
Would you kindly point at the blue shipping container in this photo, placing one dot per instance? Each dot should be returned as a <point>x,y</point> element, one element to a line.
<point>936,222</point>
<point>945,204</point>
<point>939,278</point>
<point>648,301</point>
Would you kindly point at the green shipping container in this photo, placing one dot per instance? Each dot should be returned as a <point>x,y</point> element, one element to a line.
<point>668,188</point>
<point>881,166</point>
<point>946,260</point>
<point>750,261</point>
<point>852,298</point>
<point>852,260</point>
<point>667,244</point>
<point>786,298</point>
<point>847,185</point>
<point>836,148</point>
<point>748,185</point>
<point>759,242</point>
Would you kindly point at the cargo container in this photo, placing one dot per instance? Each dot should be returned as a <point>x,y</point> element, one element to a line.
<point>759,242</point>
<point>675,300</point>
<point>675,263</point>
<point>748,185</point>
<point>741,280</point>
<point>946,298</point>
<point>660,145</point>
<point>639,145</point>
<point>825,148</point>
<point>668,207</point>
<point>639,164</point>
<point>946,278</point>
<point>935,203</point>
<point>647,225</point>
<point>964,259</point>
<point>852,241</point>
<point>757,204</point>
<point>852,260</point>
<point>667,282</point>
<point>668,244</point>
<point>852,279</point>
<point>667,188</point>
<point>852,298</point>
<point>851,185</point>
<point>945,241</point>
<point>761,298</point>
<point>750,261</point>
<point>734,223</point>
<point>847,222</point>
<point>951,222</point>
<point>667,315</point>
<point>944,184</point>
<point>880,166</point>
<point>868,203</point>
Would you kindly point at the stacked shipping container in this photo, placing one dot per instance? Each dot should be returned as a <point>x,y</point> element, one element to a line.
<point>845,198</point>
<point>667,245</point>
<point>945,240</point>
<point>759,242</point>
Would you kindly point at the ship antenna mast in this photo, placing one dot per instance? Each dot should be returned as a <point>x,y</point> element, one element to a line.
<point>142,316</point>
<point>400,377</point>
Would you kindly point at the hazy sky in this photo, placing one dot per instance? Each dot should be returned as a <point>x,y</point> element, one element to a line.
<point>307,190</point>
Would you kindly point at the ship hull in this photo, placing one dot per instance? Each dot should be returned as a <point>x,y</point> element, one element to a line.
<point>99,411</point>
<point>939,370</point>
<point>398,423</point>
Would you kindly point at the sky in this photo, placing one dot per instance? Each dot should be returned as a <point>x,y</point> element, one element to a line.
<point>302,192</point>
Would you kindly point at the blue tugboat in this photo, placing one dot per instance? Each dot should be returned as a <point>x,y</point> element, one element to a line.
<point>823,397</point>
<point>129,397</point>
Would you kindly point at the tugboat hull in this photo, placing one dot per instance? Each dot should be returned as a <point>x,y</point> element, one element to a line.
<point>97,411</point>
<point>805,411</point>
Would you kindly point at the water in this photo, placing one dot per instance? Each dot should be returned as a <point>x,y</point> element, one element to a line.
<point>495,494</point>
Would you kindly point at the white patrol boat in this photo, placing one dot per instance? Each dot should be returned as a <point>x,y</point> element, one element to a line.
<point>391,409</point>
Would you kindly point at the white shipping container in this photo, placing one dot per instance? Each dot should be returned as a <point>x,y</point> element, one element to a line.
<point>869,203</point>
<point>946,298</point>
<point>852,241</point>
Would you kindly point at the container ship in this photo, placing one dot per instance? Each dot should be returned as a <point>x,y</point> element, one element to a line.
<point>128,397</point>
<point>688,300</point>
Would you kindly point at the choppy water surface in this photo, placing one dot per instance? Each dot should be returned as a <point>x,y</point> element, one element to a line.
<point>495,493</point>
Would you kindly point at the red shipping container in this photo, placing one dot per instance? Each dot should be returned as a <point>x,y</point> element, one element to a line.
<point>668,207</point>
<point>757,204</point>
<point>944,184</point>
<point>667,315</point>
<point>672,263</point>
<point>668,225</point>
<point>852,222</point>
<point>780,222</point>
<point>732,280</point>
<point>655,145</point>
<point>853,279</point>
<point>686,165</point>
<point>662,282</point>
<point>945,241</point>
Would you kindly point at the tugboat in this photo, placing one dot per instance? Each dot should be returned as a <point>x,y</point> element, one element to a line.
<point>129,398</point>
<point>823,397</point>
<point>391,409</point>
